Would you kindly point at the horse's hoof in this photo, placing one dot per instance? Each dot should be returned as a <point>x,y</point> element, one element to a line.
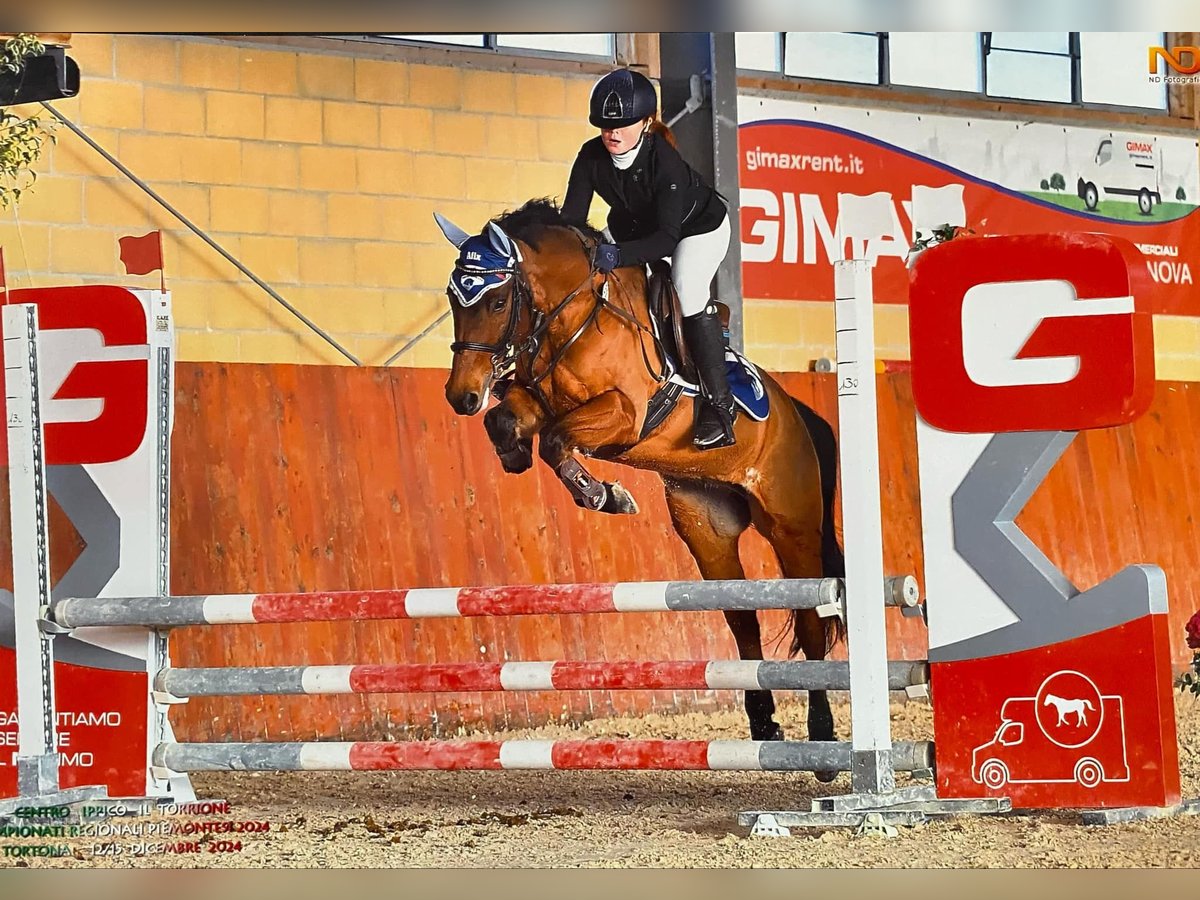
<point>619,501</point>
<point>516,461</point>
<point>774,733</point>
<point>825,777</point>
<point>501,427</point>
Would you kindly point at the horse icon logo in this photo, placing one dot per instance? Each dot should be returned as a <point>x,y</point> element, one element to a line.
<point>1083,742</point>
<point>1066,707</point>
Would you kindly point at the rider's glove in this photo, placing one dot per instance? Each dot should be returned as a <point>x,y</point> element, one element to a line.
<point>607,257</point>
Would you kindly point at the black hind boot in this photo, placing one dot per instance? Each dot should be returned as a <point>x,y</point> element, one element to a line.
<point>706,341</point>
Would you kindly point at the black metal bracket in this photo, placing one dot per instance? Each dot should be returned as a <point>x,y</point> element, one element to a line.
<point>50,76</point>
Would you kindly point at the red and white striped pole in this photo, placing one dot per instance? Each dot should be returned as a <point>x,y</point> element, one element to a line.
<point>407,678</point>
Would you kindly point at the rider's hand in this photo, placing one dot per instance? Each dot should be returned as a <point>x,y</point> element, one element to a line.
<point>607,257</point>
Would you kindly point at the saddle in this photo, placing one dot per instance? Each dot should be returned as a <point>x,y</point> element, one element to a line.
<point>668,318</point>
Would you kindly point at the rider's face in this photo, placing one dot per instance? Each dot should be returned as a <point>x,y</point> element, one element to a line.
<point>620,140</point>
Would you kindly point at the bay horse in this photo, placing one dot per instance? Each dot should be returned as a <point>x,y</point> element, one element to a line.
<point>574,355</point>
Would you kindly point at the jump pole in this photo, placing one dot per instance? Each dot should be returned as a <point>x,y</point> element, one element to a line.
<point>671,675</point>
<point>473,755</point>
<point>825,595</point>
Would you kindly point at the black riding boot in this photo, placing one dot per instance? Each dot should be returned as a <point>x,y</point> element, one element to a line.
<point>706,341</point>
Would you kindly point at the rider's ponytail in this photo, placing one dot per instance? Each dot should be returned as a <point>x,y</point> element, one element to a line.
<point>659,127</point>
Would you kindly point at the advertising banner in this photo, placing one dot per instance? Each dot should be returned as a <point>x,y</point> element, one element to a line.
<point>1003,177</point>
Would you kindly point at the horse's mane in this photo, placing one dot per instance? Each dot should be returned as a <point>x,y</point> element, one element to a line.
<point>525,223</point>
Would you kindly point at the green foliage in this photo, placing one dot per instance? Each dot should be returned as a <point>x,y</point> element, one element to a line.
<point>1190,681</point>
<point>22,138</point>
<point>1057,182</point>
<point>21,143</point>
<point>16,50</point>
<point>1180,193</point>
<point>1045,185</point>
<point>939,235</point>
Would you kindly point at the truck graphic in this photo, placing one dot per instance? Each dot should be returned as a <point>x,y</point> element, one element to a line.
<point>1067,733</point>
<point>1123,167</point>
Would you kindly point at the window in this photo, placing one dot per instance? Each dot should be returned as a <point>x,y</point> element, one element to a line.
<point>946,60</point>
<point>1106,59</point>
<point>833,55</point>
<point>1030,65</point>
<point>758,50</point>
<point>577,44</point>
<point>461,40</point>
<point>585,44</point>
<point>1103,68</point>
<point>1012,734</point>
<point>1104,152</point>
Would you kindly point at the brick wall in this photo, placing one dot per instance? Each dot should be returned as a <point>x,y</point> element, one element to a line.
<point>320,171</point>
<point>787,335</point>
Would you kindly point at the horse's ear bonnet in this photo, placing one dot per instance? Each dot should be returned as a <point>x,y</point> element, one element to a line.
<point>453,233</point>
<point>485,261</point>
<point>502,242</point>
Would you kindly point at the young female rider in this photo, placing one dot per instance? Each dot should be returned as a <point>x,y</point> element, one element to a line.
<point>659,207</point>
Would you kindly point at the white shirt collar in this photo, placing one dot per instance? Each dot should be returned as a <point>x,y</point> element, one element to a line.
<point>625,160</point>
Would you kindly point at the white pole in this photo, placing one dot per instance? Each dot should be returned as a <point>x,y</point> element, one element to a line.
<point>37,759</point>
<point>871,740</point>
<point>176,786</point>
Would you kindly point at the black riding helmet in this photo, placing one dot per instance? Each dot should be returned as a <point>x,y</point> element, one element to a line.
<point>622,98</point>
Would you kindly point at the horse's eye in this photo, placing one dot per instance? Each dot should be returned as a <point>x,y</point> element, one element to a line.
<point>499,302</point>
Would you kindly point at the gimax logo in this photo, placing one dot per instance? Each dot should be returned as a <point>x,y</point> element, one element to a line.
<point>97,411</point>
<point>1044,332</point>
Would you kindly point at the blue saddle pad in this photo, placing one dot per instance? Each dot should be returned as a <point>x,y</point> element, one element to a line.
<point>746,384</point>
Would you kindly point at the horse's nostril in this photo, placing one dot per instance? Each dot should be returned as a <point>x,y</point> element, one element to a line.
<point>470,402</point>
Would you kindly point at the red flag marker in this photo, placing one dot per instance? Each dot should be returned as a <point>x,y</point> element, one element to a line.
<point>143,255</point>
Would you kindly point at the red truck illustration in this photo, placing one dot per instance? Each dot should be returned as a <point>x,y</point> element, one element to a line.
<point>1068,732</point>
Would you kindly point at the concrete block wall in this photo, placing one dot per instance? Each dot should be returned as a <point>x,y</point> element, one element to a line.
<point>320,171</point>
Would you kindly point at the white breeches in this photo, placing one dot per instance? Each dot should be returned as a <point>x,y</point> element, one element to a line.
<point>695,262</point>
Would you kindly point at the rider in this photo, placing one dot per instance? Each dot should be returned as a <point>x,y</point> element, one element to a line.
<point>659,207</point>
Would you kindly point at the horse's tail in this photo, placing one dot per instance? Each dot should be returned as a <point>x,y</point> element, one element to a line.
<point>833,561</point>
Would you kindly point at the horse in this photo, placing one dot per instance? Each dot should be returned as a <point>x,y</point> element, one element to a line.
<point>1065,707</point>
<point>570,352</point>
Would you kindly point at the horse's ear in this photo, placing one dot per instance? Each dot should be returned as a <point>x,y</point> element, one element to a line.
<point>453,233</point>
<point>502,242</point>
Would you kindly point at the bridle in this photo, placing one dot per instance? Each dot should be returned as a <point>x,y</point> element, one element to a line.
<point>502,352</point>
<point>507,352</point>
